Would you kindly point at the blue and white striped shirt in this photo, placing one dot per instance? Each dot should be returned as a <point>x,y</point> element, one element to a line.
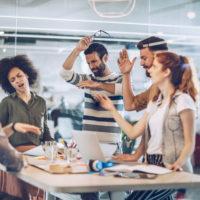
<point>96,118</point>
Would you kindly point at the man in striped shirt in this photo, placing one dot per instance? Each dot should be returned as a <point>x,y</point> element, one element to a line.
<point>102,81</point>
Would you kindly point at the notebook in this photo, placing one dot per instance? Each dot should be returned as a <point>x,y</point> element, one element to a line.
<point>142,168</point>
<point>90,148</point>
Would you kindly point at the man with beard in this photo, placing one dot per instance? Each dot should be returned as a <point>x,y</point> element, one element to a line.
<point>102,81</point>
<point>147,49</point>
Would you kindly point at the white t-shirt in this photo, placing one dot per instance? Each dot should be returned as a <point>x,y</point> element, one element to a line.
<point>184,101</point>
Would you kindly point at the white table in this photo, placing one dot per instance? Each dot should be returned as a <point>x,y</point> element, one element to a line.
<point>73,183</point>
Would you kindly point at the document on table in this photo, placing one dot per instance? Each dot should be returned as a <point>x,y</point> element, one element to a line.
<point>152,169</point>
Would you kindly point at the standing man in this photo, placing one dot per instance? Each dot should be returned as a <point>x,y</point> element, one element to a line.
<point>102,81</point>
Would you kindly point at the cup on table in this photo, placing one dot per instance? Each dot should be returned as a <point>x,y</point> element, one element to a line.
<point>70,154</point>
<point>51,150</point>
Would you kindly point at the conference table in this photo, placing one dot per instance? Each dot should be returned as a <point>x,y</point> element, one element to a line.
<point>78,183</point>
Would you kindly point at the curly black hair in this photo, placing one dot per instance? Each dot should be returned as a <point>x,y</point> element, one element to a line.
<point>23,63</point>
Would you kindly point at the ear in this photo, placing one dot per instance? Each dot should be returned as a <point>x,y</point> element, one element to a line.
<point>105,58</point>
<point>167,72</point>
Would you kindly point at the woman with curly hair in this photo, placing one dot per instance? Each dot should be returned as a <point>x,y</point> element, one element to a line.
<point>168,124</point>
<point>17,74</point>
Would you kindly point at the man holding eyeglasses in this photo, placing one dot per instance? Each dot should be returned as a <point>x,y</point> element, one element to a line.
<point>102,81</point>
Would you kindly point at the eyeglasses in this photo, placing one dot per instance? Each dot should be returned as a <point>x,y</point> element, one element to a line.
<point>100,33</point>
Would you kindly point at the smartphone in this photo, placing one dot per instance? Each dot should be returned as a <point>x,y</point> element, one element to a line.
<point>135,175</point>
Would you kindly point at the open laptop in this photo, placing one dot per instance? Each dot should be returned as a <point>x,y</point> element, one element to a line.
<point>90,148</point>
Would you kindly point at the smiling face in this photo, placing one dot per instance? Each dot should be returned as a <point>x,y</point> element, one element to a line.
<point>146,59</point>
<point>18,79</point>
<point>96,65</point>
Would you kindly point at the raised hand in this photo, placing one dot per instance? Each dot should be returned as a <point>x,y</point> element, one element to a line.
<point>23,128</point>
<point>84,43</point>
<point>124,63</point>
<point>105,102</point>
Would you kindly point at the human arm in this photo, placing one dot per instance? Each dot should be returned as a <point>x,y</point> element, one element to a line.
<point>20,127</point>
<point>109,87</point>
<point>188,122</point>
<point>126,66</point>
<point>132,157</point>
<point>131,131</point>
<point>82,45</point>
<point>10,158</point>
<point>131,101</point>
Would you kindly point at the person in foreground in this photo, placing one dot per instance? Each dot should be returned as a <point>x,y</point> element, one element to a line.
<point>10,158</point>
<point>168,124</point>
<point>103,81</point>
<point>17,74</point>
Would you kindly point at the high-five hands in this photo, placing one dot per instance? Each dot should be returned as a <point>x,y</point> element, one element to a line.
<point>124,62</point>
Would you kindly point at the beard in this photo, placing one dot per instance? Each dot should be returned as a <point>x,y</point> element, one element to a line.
<point>99,70</point>
<point>146,70</point>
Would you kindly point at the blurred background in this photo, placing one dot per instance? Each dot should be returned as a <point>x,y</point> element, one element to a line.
<point>48,30</point>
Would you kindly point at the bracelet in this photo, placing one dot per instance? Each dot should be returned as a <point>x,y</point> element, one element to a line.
<point>13,127</point>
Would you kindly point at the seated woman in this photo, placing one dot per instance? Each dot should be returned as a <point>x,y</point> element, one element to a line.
<point>10,158</point>
<point>169,122</point>
<point>17,74</point>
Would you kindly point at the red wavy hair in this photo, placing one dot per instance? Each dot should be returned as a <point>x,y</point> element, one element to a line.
<point>181,73</point>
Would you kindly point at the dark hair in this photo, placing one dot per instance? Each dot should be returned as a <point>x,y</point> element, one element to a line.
<point>23,63</point>
<point>181,73</point>
<point>153,43</point>
<point>96,47</point>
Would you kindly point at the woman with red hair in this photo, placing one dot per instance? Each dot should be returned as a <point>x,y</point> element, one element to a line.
<point>169,121</point>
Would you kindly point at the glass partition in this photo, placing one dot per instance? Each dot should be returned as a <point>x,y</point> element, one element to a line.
<point>48,30</point>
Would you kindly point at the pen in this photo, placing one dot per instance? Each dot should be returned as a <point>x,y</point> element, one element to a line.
<point>64,142</point>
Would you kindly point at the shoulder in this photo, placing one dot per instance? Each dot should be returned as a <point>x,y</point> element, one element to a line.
<point>184,101</point>
<point>7,100</point>
<point>183,97</point>
<point>39,98</point>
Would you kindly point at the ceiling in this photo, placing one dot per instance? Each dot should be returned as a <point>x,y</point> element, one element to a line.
<point>47,29</point>
<point>61,19</point>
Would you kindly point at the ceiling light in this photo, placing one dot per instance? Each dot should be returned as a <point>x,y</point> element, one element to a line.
<point>191,15</point>
<point>130,4</point>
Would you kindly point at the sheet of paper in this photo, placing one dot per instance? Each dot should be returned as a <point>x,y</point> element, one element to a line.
<point>140,168</point>
<point>37,151</point>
